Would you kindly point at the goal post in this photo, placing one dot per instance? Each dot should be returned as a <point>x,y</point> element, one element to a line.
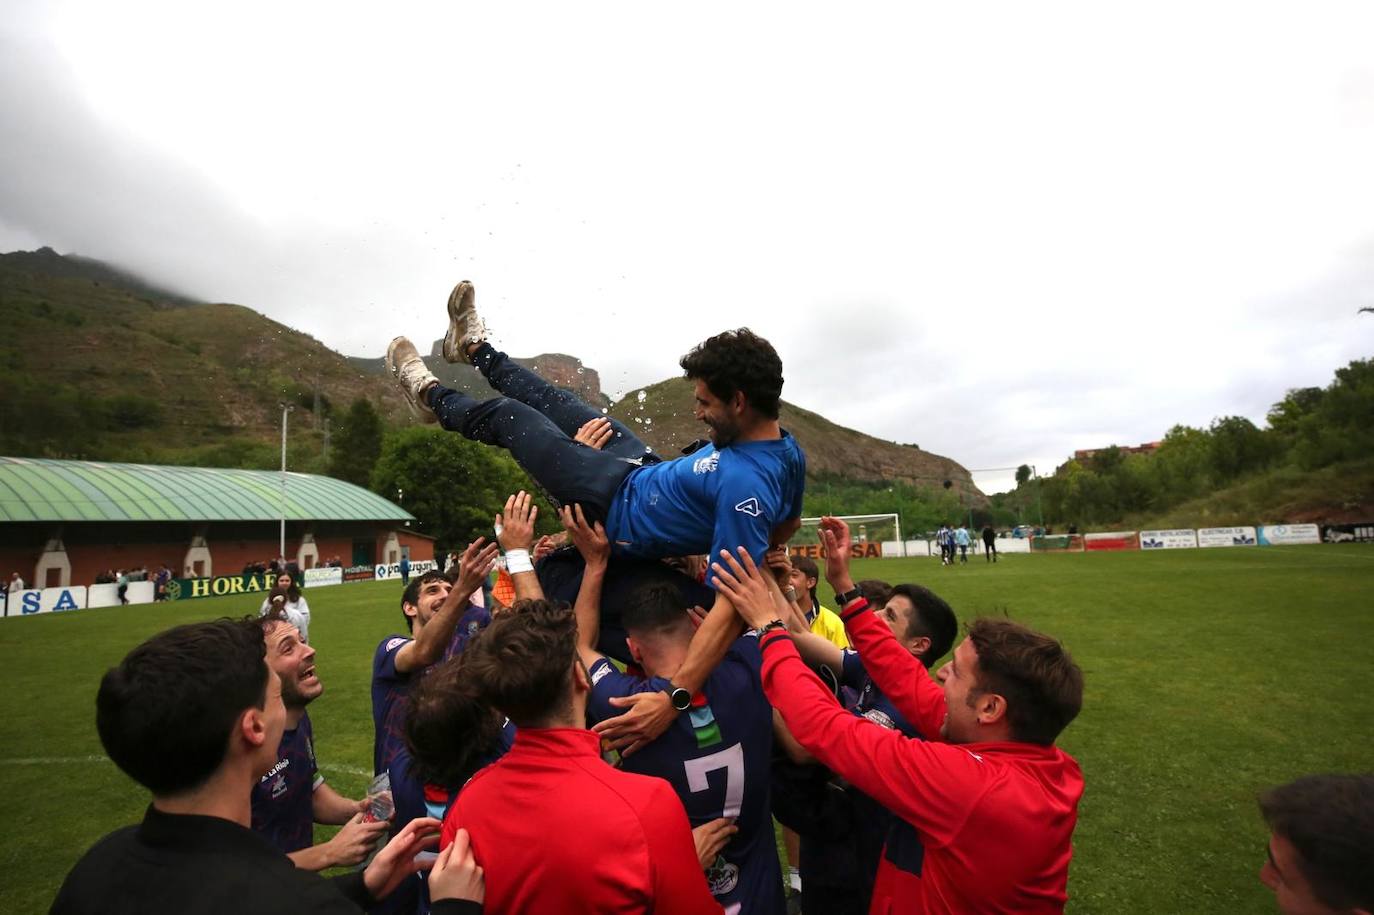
<point>874,535</point>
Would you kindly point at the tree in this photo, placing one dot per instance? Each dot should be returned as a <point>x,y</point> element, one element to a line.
<point>357,444</point>
<point>1238,447</point>
<point>453,487</point>
<point>1023,473</point>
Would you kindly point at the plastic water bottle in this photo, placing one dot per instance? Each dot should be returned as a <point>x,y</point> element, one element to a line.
<point>380,804</point>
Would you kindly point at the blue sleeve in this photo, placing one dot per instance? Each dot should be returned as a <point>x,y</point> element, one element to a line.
<point>799,486</point>
<point>608,683</point>
<point>743,519</point>
<point>852,672</point>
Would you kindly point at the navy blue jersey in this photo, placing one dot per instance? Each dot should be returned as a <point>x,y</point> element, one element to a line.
<point>390,687</point>
<point>709,500</point>
<point>283,808</point>
<point>716,756</point>
<point>876,828</point>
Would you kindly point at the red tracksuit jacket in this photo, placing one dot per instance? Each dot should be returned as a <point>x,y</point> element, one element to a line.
<point>996,819</point>
<point>556,830</point>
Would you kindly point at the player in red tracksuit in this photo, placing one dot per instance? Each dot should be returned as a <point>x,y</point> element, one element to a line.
<point>554,827</point>
<point>995,803</point>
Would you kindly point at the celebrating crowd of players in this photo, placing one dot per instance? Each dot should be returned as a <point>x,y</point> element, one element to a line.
<point>621,738</point>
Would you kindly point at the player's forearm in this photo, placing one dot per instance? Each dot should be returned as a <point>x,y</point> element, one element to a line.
<point>712,639</point>
<point>816,650</point>
<point>429,643</point>
<point>328,807</point>
<point>527,586</point>
<point>314,858</point>
<point>588,607</point>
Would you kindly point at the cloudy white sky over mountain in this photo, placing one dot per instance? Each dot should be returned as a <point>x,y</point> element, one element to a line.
<point>1002,231</point>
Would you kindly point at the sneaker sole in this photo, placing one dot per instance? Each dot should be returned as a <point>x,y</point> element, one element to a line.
<point>423,414</point>
<point>460,309</point>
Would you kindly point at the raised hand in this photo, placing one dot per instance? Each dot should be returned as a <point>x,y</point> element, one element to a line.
<point>742,582</point>
<point>515,525</point>
<point>590,540</point>
<point>475,565</point>
<point>835,536</point>
<point>595,433</point>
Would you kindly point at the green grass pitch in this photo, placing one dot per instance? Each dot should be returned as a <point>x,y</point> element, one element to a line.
<point>1211,675</point>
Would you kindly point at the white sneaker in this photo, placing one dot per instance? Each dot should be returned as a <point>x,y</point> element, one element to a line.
<point>465,326</point>
<point>405,365</point>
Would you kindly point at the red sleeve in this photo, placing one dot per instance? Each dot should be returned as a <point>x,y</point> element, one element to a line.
<point>903,679</point>
<point>679,885</point>
<point>933,786</point>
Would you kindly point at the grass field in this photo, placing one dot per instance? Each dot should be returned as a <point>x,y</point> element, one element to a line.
<point>1211,675</point>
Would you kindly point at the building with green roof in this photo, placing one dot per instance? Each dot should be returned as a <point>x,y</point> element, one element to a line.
<point>65,522</point>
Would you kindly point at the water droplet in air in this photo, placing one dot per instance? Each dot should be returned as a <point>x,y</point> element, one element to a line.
<point>642,396</point>
<point>580,370</point>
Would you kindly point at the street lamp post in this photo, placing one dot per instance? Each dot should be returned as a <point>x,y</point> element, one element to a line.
<point>281,546</point>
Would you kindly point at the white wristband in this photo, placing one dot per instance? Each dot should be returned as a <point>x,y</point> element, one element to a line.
<point>518,561</point>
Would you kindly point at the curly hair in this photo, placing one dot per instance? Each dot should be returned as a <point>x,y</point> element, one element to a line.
<point>738,360</point>
<point>521,662</point>
<point>449,728</point>
<point>1040,681</point>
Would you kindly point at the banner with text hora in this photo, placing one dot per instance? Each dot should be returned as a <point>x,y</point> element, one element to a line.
<point>1168,540</point>
<point>1277,534</point>
<point>1226,536</point>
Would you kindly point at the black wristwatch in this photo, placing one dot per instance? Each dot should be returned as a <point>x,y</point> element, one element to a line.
<point>847,598</point>
<point>679,697</point>
<point>769,627</point>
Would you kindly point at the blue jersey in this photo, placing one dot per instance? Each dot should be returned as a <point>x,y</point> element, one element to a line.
<point>716,756</point>
<point>710,500</point>
<point>283,808</point>
<point>875,827</point>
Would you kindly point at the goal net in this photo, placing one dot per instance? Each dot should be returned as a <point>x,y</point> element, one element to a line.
<point>874,536</point>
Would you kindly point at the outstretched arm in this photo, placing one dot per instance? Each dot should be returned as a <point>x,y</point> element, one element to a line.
<point>428,645</point>
<point>591,542</point>
<point>515,533</point>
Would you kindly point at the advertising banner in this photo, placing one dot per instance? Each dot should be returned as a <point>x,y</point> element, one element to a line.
<point>869,549</point>
<point>1056,543</point>
<point>1111,540</point>
<point>1168,540</point>
<point>315,578</point>
<point>1358,532</point>
<point>1276,534</point>
<point>45,600</point>
<point>138,592</point>
<point>384,571</point>
<point>189,588</point>
<point>360,573</point>
<point>1226,536</point>
<point>1013,545</point>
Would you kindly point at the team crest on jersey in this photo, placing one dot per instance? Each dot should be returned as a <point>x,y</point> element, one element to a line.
<point>882,719</point>
<point>706,464</point>
<point>278,786</point>
<point>600,673</point>
<point>750,507</point>
<point>722,876</point>
<point>393,644</point>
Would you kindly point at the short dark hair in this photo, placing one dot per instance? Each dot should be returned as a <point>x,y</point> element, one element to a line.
<point>449,728</point>
<point>411,595</point>
<point>874,591</point>
<point>1330,821</point>
<point>930,617</point>
<point>738,360</point>
<point>165,713</point>
<point>1041,683</point>
<point>521,662</point>
<point>655,608</point>
<point>808,567</point>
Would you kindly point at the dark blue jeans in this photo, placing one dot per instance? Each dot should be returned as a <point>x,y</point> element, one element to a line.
<point>536,421</point>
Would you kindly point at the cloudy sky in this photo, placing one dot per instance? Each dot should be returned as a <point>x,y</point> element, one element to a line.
<point>1002,231</point>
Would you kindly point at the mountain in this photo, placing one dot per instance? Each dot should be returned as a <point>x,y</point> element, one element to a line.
<point>98,363</point>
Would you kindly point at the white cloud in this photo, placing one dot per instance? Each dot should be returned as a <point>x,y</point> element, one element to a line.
<point>1001,231</point>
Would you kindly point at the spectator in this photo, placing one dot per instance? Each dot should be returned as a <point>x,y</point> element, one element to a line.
<point>295,606</point>
<point>1321,850</point>
<point>164,575</point>
<point>989,544</point>
<point>194,714</point>
<point>405,570</point>
<point>123,586</point>
<point>16,584</point>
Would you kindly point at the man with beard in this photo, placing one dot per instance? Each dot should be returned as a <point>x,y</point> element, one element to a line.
<point>742,488</point>
<point>293,795</point>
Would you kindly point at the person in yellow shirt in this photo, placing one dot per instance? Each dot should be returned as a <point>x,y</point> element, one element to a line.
<point>824,621</point>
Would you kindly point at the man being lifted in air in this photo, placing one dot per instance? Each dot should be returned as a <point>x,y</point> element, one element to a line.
<point>743,488</point>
